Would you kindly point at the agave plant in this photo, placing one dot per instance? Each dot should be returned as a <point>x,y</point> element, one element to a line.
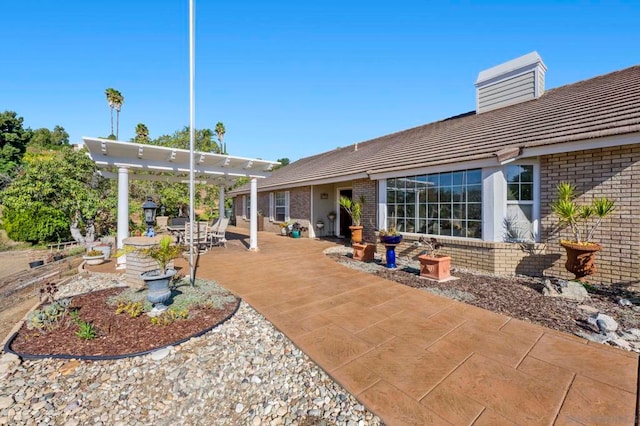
<point>583,220</point>
<point>164,252</point>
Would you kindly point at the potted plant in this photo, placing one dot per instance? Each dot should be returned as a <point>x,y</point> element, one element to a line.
<point>297,230</point>
<point>354,209</point>
<point>94,257</point>
<point>582,220</point>
<point>158,280</point>
<point>433,265</point>
<point>390,238</point>
<point>284,228</point>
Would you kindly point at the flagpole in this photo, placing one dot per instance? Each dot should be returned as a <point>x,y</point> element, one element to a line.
<point>192,129</point>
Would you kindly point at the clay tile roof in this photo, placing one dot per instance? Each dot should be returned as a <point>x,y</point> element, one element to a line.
<point>601,106</point>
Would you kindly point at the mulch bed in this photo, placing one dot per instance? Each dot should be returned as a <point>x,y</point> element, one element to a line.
<point>117,334</point>
<point>521,298</point>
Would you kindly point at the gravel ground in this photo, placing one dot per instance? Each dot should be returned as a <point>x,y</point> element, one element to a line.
<point>243,372</point>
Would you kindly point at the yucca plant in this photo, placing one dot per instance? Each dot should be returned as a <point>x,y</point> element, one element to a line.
<point>583,220</point>
<point>353,208</point>
<point>164,252</point>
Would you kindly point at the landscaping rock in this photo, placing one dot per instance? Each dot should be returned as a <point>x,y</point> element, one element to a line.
<point>603,322</point>
<point>572,290</point>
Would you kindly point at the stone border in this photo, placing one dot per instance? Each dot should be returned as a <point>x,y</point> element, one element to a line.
<point>23,356</point>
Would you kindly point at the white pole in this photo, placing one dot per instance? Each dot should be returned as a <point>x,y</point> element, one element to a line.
<point>192,129</point>
<point>123,213</point>
<point>253,216</point>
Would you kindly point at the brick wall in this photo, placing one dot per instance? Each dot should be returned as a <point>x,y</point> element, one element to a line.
<point>299,209</point>
<point>369,190</point>
<point>610,172</point>
<point>498,258</point>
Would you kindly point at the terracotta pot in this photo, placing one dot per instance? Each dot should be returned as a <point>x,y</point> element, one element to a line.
<point>363,251</point>
<point>435,268</point>
<point>356,233</point>
<point>581,258</point>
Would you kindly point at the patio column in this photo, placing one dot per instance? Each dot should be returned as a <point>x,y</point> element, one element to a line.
<point>221,201</point>
<point>253,220</point>
<point>123,212</point>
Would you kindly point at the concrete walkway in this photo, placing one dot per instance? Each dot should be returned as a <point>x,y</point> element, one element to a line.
<point>418,359</point>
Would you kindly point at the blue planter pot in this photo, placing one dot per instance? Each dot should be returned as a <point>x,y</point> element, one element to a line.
<point>390,239</point>
<point>390,242</point>
<point>295,234</point>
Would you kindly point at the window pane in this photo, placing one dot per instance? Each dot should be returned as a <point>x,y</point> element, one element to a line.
<point>512,191</point>
<point>518,223</point>
<point>527,174</point>
<point>422,211</point>
<point>422,226</point>
<point>445,179</point>
<point>400,225</point>
<point>474,177</point>
<point>432,209</point>
<point>474,229</point>
<point>432,195</point>
<point>526,192</point>
<point>513,173</point>
<point>410,210</point>
<point>391,211</point>
<point>433,180</point>
<point>445,211</point>
<point>445,194</point>
<point>459,211</point>
<point>400,210</point>
<point>458,178</point>
<point>410,225</point>
<point>457,193</point>
<point>474,211</point>
<point>474,194</point>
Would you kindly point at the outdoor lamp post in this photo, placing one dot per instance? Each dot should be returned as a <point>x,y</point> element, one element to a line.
<point>149,208</point>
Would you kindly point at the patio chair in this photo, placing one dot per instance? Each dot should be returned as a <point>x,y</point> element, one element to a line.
<point>200,236</point>
<point>218,232</point>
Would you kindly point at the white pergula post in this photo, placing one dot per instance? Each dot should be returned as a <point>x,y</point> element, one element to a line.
<point>221,201</point>
<point>123,212</point>
<point>253,221</point>
<point>192,131</point>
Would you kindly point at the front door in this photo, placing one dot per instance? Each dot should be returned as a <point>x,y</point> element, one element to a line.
<point>345,219</point>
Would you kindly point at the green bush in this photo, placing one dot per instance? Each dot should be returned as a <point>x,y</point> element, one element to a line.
<point>39,223</point>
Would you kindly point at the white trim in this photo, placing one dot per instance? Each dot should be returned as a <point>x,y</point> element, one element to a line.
<point>271,206</point>
<point>582,145</point>
<point>535,203</point>
<point>494,195</point>
<point>312,223</point>
<point>298,184</point>
<point>451,167</point>
<point>382,204</point>
<point>244,207</point>
<point>287,210</point>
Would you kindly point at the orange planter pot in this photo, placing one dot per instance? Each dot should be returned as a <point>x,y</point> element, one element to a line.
<point>363,251</point>
<point>356,233</point>
<point>581,258</point>
<point>435,268</point>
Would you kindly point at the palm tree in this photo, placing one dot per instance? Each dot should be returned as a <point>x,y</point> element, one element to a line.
<point>220,131</point>
<point>111,99</point>
<point>118,101</point>
<point>142,133</point>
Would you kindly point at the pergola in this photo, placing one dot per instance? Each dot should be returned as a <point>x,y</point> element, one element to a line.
<point>128,160</point>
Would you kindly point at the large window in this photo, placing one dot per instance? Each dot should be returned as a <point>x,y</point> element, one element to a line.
<point>439,204</point>
<point>280,207</point>
<point>519,203</point>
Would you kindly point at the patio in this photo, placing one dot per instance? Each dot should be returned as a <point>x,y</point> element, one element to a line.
<point>416,358</point>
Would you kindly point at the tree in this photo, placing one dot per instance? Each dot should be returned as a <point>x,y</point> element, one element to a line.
<point>111,100</point>
<point>142,134</point>
<point>283,162</point>
<point>118,101</point>
<point>45,138</point>
<point>13,142</point>
<point>57,194</point>
<point>220,131</point>
<point>180,139</point>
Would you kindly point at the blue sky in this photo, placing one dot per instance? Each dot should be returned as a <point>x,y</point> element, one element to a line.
<point>289,78</point>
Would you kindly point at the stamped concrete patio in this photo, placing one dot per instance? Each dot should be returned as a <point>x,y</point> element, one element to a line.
<point>418,359</point>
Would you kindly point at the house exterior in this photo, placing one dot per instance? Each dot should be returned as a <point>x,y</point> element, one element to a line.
<point>482,182</point>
